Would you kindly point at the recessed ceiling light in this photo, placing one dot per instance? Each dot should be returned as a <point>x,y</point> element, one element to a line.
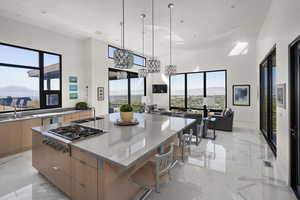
<point>43,12</point>
<point>241,48</point>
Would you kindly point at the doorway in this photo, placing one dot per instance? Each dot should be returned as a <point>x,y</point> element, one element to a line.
<point>294,78</point>
<point>268,124</point>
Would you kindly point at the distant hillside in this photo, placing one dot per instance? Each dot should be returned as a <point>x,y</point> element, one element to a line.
<point>193,92</point>
<point>16,91</point>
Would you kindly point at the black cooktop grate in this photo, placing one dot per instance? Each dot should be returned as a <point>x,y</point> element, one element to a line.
<point>75,132</point>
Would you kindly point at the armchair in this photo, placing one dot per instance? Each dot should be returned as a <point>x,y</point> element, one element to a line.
<point>223,122</point>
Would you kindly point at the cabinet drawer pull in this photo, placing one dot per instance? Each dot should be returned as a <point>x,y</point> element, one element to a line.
<point>82,185</point>
<point>82,162</point>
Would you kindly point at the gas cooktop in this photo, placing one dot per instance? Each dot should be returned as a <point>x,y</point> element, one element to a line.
<point>75,132</point>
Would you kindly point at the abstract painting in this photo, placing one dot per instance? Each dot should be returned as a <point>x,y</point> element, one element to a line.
<point>281,95</point>
<point>241,95</point>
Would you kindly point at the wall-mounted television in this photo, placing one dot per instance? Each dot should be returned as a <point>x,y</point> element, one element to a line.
<point>159,89</point>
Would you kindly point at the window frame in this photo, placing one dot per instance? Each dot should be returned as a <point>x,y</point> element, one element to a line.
<point>204,90</point>
<point>129,77</point>
<point>114,47</point>
<point>42,92</point>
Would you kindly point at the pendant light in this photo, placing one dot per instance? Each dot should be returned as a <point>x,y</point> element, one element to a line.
<point>123,58</point>
<point>142,73</point>
<point>153,65</point>
<point>170,69</point>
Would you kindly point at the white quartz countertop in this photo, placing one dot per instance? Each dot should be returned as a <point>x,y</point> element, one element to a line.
<point>124,145</point>
<point>40,114</point>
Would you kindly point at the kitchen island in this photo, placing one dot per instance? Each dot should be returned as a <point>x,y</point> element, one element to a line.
<point>99,167</point>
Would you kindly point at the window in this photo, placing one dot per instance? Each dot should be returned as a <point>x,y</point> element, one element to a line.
<point>137,60</point>
<point>21,72</point>
<point>187,90</point>
<point>195,90</point>
<point>216,89</point>
<point>177,91</point>
<point>137,91</point>
<point>18,89</point>
<point>125,89</point>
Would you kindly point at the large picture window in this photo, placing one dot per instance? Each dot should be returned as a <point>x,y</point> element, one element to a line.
<point>125,88</point>
<point>137,60</point>
<point>177,91</point>
<point>29,79</point>
<point>187,90</point>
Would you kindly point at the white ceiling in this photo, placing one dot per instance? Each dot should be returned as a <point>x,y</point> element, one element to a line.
<point>198,24</point>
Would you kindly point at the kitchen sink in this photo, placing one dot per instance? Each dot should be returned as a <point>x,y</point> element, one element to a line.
<point>81,121</point>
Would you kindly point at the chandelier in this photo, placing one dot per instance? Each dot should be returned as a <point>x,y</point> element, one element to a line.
<point>153,65</point>
<point>123,58</point>
<point>170,69</point>
<point>142,73</point>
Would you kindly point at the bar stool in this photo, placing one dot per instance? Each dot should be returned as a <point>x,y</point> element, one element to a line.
<point>183,144</point>
<point>152,175</point>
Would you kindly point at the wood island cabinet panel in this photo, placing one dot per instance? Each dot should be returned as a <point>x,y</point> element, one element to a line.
<point>84,181</point>
<point>26,126</point>
<point>10,138</point>
<point>84,157</point>
<point>62,181</point>
<point>54,165</point>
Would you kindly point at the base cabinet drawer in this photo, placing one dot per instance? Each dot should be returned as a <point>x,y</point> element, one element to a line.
<point>84,157</point>
<point>10,138</point>
<point>62,181</point>
<point>81,191</point>
<point>84,180</point>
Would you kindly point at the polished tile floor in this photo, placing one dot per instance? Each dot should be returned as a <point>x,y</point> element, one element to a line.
<point>230,168</point>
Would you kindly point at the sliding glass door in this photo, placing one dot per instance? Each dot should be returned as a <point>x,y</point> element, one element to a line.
<point>268,99</point>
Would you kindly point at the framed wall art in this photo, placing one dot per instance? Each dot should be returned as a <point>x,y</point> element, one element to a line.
<point>281,95</point>
<point>241,95</point>
<point>100,93</point>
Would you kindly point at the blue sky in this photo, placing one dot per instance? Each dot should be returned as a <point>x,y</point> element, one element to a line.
<point>18,76</point>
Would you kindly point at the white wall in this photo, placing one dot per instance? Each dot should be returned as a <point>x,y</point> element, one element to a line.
<point>99,63</point>
<point>73,62</point>
<point>240,70</point>
<point>84,58</point>
<point>281,27</point>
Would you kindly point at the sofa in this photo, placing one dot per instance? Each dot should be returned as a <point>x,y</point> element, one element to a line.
<point>224,121</point>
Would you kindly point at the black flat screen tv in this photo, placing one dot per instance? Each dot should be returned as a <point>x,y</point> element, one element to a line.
<point>159,89</point>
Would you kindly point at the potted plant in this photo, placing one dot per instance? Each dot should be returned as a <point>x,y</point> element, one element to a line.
<point>81,106</point>
<point>126,113</point>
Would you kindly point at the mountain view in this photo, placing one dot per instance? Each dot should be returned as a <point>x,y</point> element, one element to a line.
<point>17,91</point>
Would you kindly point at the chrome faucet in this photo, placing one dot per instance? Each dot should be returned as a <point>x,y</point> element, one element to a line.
<point>15,112</point>
<point>94,113</point>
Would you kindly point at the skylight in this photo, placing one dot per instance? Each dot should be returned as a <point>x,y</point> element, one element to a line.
<point>241,48</point>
